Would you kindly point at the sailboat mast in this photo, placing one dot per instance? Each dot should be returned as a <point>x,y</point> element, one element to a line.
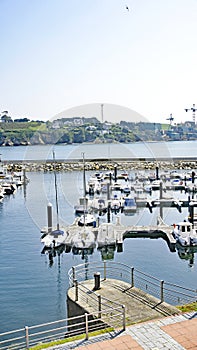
<point>56,196</point>
<point>84,176</point>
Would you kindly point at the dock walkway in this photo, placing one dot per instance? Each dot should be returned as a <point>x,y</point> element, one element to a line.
<point>117,233</point>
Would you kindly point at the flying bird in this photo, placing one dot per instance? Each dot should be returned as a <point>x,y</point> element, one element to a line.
<point>127,8</point>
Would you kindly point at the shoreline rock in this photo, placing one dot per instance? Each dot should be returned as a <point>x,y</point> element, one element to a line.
<point>100,165</point>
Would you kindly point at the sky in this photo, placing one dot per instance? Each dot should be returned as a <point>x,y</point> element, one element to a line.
<point>74,55</point>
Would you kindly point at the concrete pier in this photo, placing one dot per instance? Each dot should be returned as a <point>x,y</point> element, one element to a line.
<point>139,306</point>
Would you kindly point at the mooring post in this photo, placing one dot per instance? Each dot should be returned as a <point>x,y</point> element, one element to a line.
<point>27,337</point>
<point>97,280</point>
<point>161,292</point>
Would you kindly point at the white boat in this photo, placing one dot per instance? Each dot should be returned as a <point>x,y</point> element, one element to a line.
<point>99,205</point>
<point>106,235</point>
<point>123,176</point>
<point>8,188</point>
<point>139,191</point>
<point>93,186</point>
<point>147,187</point>
<point>83,239</point>
<point>116,203</point>
<point>155,185</point>
<point>82,207</point>
<point>185,234</point>
<point>177,184</point>
<point>116,186</point>
<point>53,238</point>
<point>1,193</point>
<point>86,220</point>
<point>126,189</point>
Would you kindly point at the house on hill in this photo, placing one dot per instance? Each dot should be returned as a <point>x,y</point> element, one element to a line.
<point>5,118</point>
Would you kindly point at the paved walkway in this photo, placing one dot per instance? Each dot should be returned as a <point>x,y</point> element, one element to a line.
<point>170,333</point>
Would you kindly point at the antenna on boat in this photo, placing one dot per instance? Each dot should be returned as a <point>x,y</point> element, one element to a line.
<point>56,196</point>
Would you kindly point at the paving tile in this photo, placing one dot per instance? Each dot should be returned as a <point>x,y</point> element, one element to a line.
<point>185,333</point>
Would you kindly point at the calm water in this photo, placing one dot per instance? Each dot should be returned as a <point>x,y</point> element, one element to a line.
<point>33,291</point>
<point>132,150</point>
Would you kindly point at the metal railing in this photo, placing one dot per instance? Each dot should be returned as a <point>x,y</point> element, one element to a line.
<point>104,313</point>
<point>108,311</point>
<point>84,325</point>
<point>164,291</point>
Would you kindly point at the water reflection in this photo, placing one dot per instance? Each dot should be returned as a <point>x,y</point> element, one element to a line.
<point>187,253</point>
<point>108,252</point>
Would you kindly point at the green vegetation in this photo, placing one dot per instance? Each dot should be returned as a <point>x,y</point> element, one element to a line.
<point>71,339</point>
<point>188,307</point>
<point>79,130</point>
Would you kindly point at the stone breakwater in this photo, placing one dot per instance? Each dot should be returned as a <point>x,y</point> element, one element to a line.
<point>100,165</point>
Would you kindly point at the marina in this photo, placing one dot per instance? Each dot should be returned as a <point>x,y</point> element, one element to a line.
<point>113,233</point>
<point>27,276</point>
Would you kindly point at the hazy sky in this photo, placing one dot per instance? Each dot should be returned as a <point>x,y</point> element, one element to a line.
<point>58,54</point>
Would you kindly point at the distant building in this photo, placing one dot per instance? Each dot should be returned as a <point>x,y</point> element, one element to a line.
<point>5,118</point>
<point>74,121</point>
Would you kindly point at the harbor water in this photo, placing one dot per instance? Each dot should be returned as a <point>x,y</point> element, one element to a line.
<point>33,289</point>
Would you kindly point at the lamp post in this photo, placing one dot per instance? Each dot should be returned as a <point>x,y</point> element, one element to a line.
<point>193,109</point>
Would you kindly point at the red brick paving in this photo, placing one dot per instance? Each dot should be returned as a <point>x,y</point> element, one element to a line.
<point>124,342</point>
<point>185,333</point>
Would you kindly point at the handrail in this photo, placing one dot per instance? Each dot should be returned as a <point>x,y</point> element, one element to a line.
<point>161,289</point>
<point>69,327</point>
<point>105,312</point>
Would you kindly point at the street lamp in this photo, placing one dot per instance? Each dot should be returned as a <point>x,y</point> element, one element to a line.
<point>193,109</point>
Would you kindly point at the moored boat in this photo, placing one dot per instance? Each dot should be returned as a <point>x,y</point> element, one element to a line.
<point>185,234</point>
<point>129,205</point>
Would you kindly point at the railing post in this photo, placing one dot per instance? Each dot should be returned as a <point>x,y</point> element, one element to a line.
<point>123,318</point>
<point>161,291</point>
<point>76,290</point>
<point>105,273</point>
<point>27,337</point>
<point>99,306</point>
<point>73,269</point>
<point>132,277</point>
<point>86,325</point>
